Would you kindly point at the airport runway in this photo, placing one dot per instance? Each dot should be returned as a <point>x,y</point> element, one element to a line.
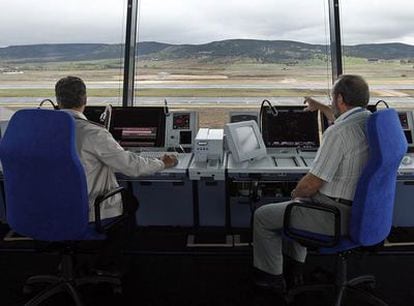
<point>140,85</point>
<point>207,101</point>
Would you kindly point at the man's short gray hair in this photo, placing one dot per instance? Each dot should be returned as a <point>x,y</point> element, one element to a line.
<point>353,89</point>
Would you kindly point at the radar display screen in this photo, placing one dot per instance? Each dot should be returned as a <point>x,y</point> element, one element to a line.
<point>292,127</point>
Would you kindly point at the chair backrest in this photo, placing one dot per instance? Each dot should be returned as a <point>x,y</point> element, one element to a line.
<point>373,204</point>
<point>45,183</point>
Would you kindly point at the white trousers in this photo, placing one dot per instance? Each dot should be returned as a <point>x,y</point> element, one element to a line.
<point>268,243</point>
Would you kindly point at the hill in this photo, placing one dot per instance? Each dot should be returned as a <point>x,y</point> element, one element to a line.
<point>236,49</point>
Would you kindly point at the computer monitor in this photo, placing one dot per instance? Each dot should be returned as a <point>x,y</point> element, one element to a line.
<point>244,140</point>
<point>138,126</point>
<point>292,127</point>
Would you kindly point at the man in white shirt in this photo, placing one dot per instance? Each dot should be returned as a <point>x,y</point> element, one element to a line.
<point>102,157</point>
<point>331,180</point>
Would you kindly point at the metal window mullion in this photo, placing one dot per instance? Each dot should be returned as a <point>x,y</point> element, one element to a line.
<point>130,51</point>
<point>335,36</point>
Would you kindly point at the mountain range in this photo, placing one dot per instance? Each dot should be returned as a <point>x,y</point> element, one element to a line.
<point>265,51</point>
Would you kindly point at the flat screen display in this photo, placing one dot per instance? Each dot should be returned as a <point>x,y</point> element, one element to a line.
<point>138,126</point>
<point>246,139</point>
<point>292,127</point>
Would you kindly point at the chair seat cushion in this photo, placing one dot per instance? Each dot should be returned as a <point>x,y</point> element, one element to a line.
<point>92,234</point>
<point>344,244</point>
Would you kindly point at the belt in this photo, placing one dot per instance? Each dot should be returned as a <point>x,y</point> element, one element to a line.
<point>342,201</point>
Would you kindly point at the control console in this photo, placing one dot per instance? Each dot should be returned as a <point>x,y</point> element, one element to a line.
<point>407,124</point>
<point>180,130</point>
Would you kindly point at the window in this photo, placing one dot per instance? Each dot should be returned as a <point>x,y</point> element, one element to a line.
<point>45,40</point>
<point>378,43</point>
<point>219,56</point>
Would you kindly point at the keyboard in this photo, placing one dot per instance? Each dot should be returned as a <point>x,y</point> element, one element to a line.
<point>155,154</point>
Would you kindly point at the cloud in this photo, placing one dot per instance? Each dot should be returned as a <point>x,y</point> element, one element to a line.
<point>201,21</point>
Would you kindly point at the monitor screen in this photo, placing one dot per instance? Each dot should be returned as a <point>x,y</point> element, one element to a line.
<point>138,126</point>
<point>292,127</point>
<point>245,141</point>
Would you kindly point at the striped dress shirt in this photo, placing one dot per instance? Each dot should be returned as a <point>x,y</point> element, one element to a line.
<point>343,154</point>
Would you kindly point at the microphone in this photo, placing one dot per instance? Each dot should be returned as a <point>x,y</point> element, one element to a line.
<point>105,117</point>
<point>272,107</point>
<point>383,102</point>
<point>55,107</point>
<point>273,111</point>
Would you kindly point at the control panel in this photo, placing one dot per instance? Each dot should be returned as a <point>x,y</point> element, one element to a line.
<point>407,124</point>
<point>180,130</point>
<point>406,120</point>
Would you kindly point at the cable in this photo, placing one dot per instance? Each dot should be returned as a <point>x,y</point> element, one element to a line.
<point>166,111</point>
<point>272,109</point>
<point>383,102</point>
<point>181,148</point>
<point>50,101</point>
<point>105,117</point>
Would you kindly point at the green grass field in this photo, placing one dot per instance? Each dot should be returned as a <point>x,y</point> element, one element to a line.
<point>307,74</point>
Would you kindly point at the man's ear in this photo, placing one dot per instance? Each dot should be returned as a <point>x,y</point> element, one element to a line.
<point>84,99</point>
<point>341,102</point>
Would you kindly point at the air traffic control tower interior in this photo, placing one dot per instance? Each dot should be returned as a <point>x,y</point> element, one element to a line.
<point>231,109</point>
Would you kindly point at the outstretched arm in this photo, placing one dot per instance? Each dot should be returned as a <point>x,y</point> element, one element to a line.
<point>314,105</point>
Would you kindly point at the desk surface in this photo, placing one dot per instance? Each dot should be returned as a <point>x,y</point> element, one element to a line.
<point>288,161</point>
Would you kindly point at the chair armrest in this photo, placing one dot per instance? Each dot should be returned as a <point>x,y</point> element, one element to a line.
<point>308,238</point>
<point>97,206</point>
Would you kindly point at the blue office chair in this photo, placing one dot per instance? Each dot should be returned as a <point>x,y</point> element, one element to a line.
<point>372,209</point>
<point>47,196</point>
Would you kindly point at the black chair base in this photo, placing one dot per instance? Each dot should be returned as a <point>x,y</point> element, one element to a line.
<point>58,285</point>
<point>356,286</point>
<point>66,282</point>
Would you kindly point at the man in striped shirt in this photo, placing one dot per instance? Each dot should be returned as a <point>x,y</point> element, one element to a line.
<point>331,180</point>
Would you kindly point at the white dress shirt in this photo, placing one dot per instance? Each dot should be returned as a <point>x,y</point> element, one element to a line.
<point>102,157</point>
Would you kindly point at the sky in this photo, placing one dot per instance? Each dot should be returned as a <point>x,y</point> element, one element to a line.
<point>202,21</point>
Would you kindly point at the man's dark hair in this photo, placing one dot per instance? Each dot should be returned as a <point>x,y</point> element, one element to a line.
<point>70,92</point>
<point>353,89</point>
